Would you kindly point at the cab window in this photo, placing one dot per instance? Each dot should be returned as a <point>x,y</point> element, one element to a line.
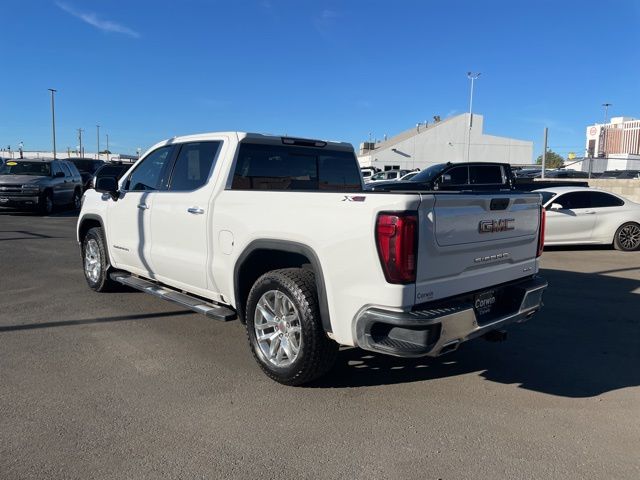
<point>150,174</point>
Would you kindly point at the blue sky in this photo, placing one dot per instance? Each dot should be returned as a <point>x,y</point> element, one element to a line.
<point>148,70</point>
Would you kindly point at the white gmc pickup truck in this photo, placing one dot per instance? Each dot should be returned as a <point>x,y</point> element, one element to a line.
<point>278,232</point>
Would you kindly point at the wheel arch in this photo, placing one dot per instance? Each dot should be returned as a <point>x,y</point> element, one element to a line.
<point>261,256</point>
<point>88,222</point>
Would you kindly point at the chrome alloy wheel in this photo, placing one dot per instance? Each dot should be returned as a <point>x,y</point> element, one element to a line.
<point>277,327</point>
<point>629,237</point>
<point>92,265</point>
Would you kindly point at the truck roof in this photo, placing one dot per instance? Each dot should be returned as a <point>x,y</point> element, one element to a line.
<point>249,137</point>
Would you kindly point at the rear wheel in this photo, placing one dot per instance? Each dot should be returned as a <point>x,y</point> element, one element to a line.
<point>96,261</point>
<point>284,327</point>
<point>627,237</point>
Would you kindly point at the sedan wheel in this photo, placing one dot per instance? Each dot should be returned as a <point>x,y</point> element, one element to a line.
<point>628,237</point>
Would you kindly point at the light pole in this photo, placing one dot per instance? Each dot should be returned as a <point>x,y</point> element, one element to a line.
<point>53,120</point>
<point>108,152</point>
<point>98,137</point>
<point>473,77</point>
<point>606,110</point>
<point>80,140</point>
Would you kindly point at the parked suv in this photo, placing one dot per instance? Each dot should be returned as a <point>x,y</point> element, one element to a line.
<point>40,184</point>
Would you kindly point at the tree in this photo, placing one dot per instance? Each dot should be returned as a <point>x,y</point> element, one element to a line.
<point>553,160</point>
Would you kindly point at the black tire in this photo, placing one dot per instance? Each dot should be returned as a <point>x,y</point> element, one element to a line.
<point>627,237</point>
<point>317,353</point>
<point>94,240</point>
<point>76,201</point>
<point>45,204</point>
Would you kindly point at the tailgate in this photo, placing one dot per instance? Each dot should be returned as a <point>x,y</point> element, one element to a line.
<point>473,241</point>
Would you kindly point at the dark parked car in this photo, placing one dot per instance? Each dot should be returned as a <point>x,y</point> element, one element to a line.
<point>87,168</point>
<point>621,174</point>
<point>40,184</point>
<point>473,176</point>
<point>564,173</point>
<point>112,169</point>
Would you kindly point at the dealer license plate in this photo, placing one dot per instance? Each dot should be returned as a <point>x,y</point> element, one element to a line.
<point>484,302</point>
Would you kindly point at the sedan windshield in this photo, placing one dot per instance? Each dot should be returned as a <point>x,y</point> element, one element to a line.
<point>36,169</point>
<point>428,173</point>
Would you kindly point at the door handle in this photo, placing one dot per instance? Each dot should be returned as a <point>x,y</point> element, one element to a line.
<point>195,210</point>
<point>142,206</point>
<point>590,212</point>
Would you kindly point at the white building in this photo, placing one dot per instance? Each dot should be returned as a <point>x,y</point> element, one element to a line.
<point>26,154</point>
<point>444,141</point>
<point>614,145</point>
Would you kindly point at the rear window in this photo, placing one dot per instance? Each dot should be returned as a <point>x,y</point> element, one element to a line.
<point>486,175</point>
<point>275,167</point>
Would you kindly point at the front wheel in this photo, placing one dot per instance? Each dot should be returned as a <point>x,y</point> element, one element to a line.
<point>45,205</point>
<point>76,202</point>
<point>96,261</point>
<point>284,327</point>
<point>627,237</point>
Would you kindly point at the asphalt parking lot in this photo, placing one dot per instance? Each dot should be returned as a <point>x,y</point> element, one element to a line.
<point>124,385</point>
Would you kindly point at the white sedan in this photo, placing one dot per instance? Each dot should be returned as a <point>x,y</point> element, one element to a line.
<point>581,215</point>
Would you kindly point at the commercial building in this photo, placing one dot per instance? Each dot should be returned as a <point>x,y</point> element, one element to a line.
<point>613,146</point>
<point>449,140</point>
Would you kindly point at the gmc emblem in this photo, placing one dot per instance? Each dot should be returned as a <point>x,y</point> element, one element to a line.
<point>492,226</point>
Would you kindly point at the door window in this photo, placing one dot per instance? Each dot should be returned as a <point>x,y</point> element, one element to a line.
<point>66,170</point>
<point>574,200</point>
<point>55,168</point>
<point>459,175</point>
<point>601,199</point>
<point>151,173</point>
<point>193,166</point>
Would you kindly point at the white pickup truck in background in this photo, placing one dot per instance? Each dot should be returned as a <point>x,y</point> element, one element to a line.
<point>279,232</point>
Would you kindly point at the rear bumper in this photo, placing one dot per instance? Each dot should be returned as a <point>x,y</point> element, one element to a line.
<point>439,327</point>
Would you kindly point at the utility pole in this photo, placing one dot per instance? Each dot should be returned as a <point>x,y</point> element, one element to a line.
<point>544,151</point>
<point>108,151</point>
<point>53,120</point>
<point>606,111</point>
<point>473,77</point>
<point>80,130</point>
<point>98,137</point>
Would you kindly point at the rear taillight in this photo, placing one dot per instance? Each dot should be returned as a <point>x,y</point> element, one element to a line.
<point>543,221</point>
<point>397,239</point>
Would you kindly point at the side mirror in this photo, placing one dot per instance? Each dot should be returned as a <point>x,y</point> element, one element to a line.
<point>58,175</point>
<point>107,185</point>
<point>556,206</point>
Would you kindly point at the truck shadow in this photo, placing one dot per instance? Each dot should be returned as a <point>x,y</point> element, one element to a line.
<point>585,342</point>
